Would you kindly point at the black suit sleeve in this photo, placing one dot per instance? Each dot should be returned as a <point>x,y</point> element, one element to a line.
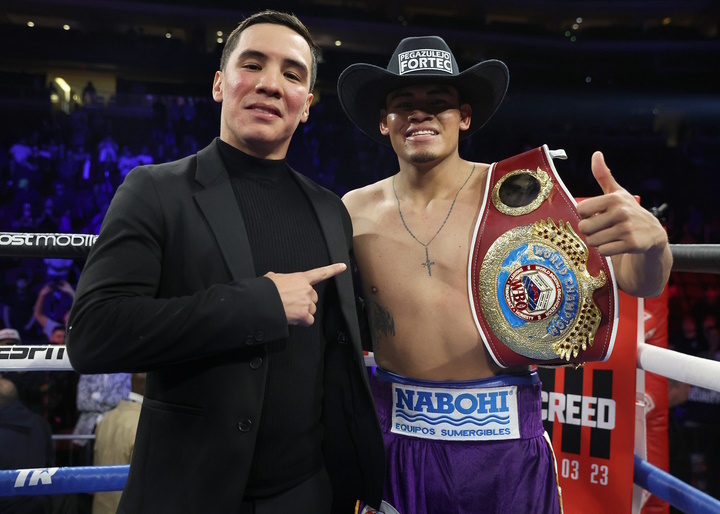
<point>120,322</point>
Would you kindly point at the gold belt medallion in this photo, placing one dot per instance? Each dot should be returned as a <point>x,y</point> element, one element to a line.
<point>536,292</point>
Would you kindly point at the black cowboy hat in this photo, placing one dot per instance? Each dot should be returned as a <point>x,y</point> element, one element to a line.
<point>362,88</point>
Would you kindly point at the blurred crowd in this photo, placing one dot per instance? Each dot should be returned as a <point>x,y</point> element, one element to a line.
<point>60,174</point>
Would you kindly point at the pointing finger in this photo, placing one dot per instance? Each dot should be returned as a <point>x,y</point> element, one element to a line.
<point>319,274</point>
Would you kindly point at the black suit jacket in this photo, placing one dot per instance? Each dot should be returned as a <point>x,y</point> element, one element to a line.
<point>169,288</point>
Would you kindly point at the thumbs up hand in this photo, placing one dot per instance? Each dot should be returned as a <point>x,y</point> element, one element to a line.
<point>618,226</point>
<point>615,222</point>
<point>602,174</point>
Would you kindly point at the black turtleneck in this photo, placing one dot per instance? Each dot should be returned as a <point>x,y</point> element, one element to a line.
<point>285,237</point>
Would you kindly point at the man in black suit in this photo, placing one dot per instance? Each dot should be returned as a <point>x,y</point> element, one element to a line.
<point>222,275</point>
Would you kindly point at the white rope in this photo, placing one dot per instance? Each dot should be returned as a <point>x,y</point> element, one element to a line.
<point>668,363</point>
<point>679,366</point>
<point>54,358</point>
<point>41,357</point>
<point>64,246</point>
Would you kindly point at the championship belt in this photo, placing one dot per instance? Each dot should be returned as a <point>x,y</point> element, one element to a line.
<point>539,295</point>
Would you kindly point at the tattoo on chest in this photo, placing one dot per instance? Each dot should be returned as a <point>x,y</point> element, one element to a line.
<point>383,322</point>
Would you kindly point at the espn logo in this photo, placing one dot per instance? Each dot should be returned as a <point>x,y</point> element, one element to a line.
<point>13,352</point>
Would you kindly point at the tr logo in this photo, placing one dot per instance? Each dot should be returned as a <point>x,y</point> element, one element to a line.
<point>39,475</point>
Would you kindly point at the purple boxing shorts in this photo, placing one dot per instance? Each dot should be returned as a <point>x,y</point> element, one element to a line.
<point>465,447</point>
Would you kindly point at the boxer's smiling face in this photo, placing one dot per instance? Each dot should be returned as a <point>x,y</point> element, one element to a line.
<point>424,121</point>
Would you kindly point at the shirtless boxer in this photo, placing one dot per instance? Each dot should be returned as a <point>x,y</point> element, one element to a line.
<point>412,235</point>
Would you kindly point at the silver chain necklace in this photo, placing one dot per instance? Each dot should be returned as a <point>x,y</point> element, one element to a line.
<point>428,263</point>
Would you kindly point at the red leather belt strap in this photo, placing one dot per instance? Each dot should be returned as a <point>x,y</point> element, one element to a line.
<point>539,294</point>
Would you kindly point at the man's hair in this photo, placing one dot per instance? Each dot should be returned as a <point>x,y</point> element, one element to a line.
<point>59,327</point>
<point>277,18</point>
<point>8,392</point>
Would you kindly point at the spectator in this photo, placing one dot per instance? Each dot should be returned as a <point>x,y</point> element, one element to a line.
<point>21,153</point>
<point>48,221</point>
<point>17,307</point>
<point>89,94</point>
<point>52,306</point>
<point>689,340</point>
<point>107,152</point>
<point>58,270</point>
<point>709,304</point>
<point>9,336</point>
<point>712,336</point>
<point>126,162</point>
<point>30,385</point>
<point>26,442</point>
<point>26,221</point>
<point>58,335</point>
<point>68,168</point>
<point>93,226</point>
<point>64,199</point>
<point>84,162</point>
<point>678,445</point>
<point>79,127</point>
<point>144,157</point>
<point>96,395</point>
<point>115,440</point>
<point>61,407</point>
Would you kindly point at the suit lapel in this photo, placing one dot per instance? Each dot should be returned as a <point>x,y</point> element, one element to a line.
<point>330,219</point>
<point>219,206</point>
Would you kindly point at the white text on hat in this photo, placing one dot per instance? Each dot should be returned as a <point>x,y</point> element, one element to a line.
<point>421,60</point>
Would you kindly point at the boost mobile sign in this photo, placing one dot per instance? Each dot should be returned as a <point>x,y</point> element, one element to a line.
<point>44,240</point>
<point>71,246</point>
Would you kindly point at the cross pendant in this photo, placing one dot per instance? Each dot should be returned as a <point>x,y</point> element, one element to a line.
<point>428,263</point>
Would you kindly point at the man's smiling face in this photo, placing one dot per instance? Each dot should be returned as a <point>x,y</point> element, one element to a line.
<point>264,90</point>
<point>424,121</point>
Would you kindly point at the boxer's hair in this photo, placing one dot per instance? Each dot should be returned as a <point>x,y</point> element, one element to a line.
<point>276,18</point>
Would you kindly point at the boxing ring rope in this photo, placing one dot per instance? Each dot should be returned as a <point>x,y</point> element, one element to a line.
<point>694,258</point>
<point>72,437</point>
<point>67,480</point>
<point>672,490</point>
<point>59,246</point>
<point>685,368</point>
<point>45,357</point>
<point>112,478</point>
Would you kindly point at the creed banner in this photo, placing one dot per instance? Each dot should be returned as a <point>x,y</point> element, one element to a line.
<point>589,414</point>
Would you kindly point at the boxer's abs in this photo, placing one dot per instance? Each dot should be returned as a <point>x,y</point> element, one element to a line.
<point>427,331</point>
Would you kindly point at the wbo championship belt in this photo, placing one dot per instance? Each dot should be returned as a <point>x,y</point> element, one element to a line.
<point>538,294</point>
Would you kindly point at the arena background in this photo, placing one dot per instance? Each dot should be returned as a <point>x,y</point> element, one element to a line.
<point>638,80</point>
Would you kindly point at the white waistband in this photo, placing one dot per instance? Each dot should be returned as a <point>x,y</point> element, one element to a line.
<point>451,414</point>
